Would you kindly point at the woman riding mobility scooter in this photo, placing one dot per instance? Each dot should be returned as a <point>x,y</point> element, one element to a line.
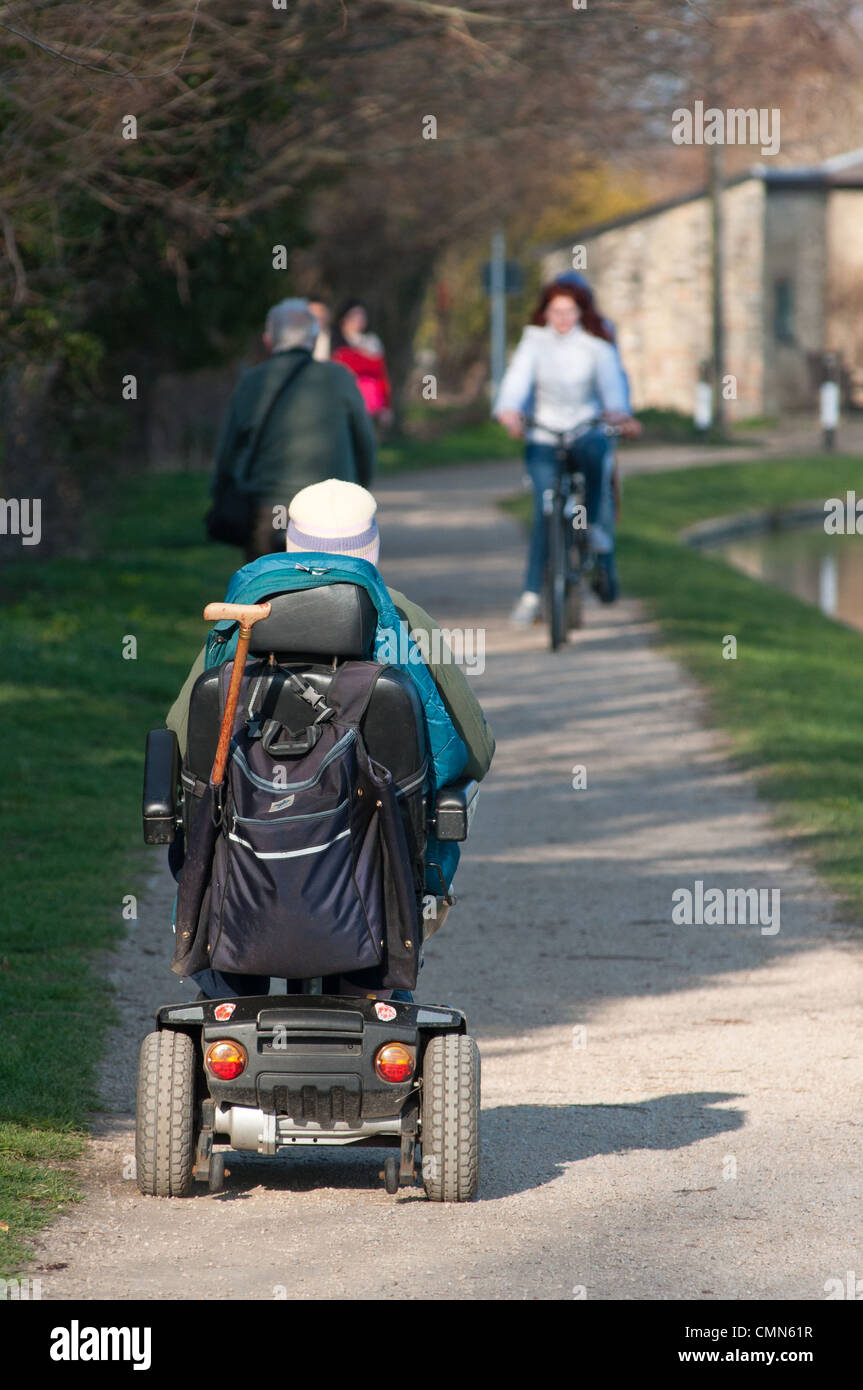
<point>316,804</point>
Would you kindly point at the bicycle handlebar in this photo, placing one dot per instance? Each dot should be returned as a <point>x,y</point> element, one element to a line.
<point>576,431</point>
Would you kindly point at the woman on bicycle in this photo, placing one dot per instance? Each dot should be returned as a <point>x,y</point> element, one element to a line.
<point>565,372</point>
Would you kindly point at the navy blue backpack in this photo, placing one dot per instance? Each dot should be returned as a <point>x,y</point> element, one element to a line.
<point>311,873</point>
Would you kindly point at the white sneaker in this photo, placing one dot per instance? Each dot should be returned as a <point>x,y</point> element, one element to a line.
<point>527,610</point>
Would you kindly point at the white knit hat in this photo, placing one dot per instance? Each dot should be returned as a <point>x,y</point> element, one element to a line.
<point>336,517</point>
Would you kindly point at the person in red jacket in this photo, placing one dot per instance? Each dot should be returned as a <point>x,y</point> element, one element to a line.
<point>363,354</point>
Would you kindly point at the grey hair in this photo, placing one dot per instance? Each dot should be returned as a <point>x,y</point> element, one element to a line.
<point>291,324</point>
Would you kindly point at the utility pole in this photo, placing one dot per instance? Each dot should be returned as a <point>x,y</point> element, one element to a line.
<point>716,181</point>
<point>497,287</point>
<point>717,282</point>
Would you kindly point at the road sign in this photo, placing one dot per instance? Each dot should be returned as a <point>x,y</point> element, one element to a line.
<point>513,278</point>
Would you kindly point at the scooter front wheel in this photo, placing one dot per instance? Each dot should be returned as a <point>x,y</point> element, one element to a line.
<point>450,1118</point>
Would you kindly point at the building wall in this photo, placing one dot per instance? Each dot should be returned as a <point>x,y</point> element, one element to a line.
<point>744,296</point>
<point>844,309</point>
<point>795,231</point>
<point>652,279</point>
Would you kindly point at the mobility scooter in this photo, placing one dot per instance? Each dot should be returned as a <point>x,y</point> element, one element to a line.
<point>268,1073</point>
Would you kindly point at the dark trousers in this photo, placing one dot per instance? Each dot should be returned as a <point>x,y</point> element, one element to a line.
<point>218,984</point>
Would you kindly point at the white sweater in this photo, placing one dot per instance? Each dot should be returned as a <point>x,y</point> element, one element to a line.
<point>562,379</point>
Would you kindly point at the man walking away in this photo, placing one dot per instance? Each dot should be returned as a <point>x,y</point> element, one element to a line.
<point>291,422</point>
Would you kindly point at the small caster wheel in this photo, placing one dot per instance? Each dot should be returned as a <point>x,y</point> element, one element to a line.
<point>391,1175</point>
<point>216,1179</point>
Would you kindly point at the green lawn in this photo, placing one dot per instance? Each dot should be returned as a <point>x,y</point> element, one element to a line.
<point>472,444</point>
<point>792,701</point>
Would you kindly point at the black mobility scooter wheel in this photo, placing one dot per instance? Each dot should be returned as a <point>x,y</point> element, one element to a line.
<point>450,1118</point>
<point>166,1130</point>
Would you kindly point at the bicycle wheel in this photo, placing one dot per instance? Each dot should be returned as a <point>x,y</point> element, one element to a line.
<point>577,560</point>
<point>574,607</point>
<point>558,577</point>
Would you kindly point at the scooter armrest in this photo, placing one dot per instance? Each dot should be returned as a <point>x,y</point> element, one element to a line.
<point>454,809</point>
<point>161,781</point>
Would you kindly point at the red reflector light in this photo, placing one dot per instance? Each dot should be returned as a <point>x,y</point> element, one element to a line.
<point>226,1059</point>
<point>394,1062</point>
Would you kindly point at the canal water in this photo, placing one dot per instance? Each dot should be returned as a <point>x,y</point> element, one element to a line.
<point>824,570</point>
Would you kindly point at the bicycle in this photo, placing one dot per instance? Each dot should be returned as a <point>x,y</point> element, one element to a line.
<point>570,556</point>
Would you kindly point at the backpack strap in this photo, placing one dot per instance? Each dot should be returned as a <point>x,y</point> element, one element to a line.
<point>277,739</point>
<point>319,704</point>
<point>257,678</point>
<point>351,689</point>
<point>345,702</point>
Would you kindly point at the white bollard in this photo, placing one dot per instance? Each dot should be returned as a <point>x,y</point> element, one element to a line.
<point>703,416</point>
<point>829,411</point>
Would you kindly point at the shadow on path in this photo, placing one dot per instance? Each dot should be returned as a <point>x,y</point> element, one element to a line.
<point>553,1136</point>
<point>523,1147</point>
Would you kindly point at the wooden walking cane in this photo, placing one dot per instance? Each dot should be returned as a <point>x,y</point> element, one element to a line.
<point>246,615</point>
<point>190,919</point>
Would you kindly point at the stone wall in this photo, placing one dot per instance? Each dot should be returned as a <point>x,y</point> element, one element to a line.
<point>844,309</point>
<point>795,233</point>
<point>652,279</point>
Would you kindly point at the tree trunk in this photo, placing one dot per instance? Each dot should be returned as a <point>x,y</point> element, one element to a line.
<point>398,328</point>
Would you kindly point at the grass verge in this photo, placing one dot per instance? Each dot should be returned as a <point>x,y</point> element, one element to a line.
<point>792,701</point>
<point>76,715</point>
<point>471,444</point>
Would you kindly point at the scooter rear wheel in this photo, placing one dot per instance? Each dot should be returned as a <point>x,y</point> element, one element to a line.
<point>166,1129</point>
<point>450,1118</point>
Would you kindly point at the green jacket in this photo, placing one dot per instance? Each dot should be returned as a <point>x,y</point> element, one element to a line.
<point>318,429</point>
<point>462,705</point>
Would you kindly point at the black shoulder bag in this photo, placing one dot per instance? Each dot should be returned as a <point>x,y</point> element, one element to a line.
<point>232,515</point>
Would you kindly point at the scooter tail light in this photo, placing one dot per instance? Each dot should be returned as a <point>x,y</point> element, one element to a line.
<point>226,1059</point>
<point>394,1062</point>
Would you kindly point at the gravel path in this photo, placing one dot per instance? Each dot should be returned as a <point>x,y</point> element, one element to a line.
<point>669,1111</point>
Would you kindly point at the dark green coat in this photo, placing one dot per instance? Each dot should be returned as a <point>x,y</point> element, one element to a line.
<point>318,429</point>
